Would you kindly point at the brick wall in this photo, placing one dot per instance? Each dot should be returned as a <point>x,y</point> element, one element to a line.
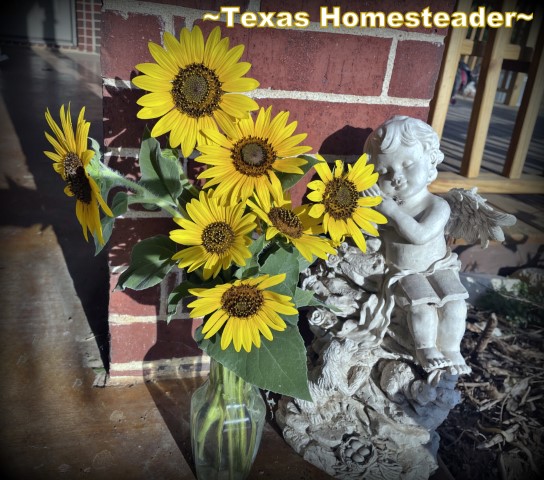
<point>88,13</point>
<point>339,84</point>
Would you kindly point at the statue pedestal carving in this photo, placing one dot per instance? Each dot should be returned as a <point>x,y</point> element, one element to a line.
<point>377,420</point>
<point>375,411</point>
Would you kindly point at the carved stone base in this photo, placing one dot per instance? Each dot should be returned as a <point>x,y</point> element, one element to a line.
<point>374,414</point>
<point>375,410</point>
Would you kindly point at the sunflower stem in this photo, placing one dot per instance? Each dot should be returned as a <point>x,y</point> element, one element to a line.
<point>246,454</point>
<point>231,434</point>
<point>214,415</point>
<point>108,173</point>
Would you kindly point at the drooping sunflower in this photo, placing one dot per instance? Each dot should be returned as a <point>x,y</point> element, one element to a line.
<point>293,224</point>
<point>192,85</point>
<point>243,161</point>
<point>216,235</point>
<point>245,307</point>
<point>344,211</point>
<point>71,158</point>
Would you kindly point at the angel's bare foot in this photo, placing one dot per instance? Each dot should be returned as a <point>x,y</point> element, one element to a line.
<point>458,364</point>
<point>431,359</point>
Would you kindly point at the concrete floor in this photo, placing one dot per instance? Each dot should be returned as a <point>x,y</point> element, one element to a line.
<point>54,421</point>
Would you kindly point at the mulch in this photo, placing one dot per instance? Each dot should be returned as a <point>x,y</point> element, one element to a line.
<point>496,432</point>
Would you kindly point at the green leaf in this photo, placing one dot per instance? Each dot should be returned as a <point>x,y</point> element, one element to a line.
<point>290,262</point>
<point>251,267</point>
<point>189,191</point>
<point>177,295</point>
<point>171,153</point>
<point>289,180</point>
<point>160,174</point>
<point>98,172</point>
<point>96,147</point>
<point>279,365</point>
<point>119,206</point>
<point>150,261</point>
<point>283,261</point>
<point>306,298</point>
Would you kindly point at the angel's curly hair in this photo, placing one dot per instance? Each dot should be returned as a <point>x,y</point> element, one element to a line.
<point>402,130</point>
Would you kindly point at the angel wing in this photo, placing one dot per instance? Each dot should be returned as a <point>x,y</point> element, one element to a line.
<point>472,218</point>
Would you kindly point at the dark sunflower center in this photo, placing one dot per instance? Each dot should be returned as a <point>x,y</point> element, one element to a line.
<point>217,237</point>
<point>340,198</point>
<point>253,156</point>
<point>286,222</point>
<point>242,301</point>
<point>196,90</point>
<point>76,179</point>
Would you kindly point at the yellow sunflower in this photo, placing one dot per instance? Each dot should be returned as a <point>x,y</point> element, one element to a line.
<point>245,160</point>
<point>217,235</point>
<point>295,225</point>
<point>71,158</point>
<point>245,307</point>
<point>344,211</point>
<point>192,85</point>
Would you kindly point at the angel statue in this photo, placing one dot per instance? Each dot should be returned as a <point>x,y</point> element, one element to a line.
<point>386,354</point>
<point>422,273</point>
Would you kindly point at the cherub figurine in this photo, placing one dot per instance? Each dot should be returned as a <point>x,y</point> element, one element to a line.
<point>421,271</point>
<point>406,305</point>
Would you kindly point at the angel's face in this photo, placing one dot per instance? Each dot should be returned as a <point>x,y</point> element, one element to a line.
<point>403,173</point>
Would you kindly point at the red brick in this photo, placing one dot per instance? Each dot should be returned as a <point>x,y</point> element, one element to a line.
<point>125,42</point>
<point>179,23</point>
<point>128,231</point>
<point>339,128</point>
<point>416,69</point>
<point>121,126</point>
<point>193,170</point>
<point>312,61</point>
<point>205,4</point>
<point>153,341</point>
<point>313,8</point>
<point>133,302</point>
<point>128,166</point>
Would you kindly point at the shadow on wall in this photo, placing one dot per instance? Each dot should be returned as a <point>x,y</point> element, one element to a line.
<point>346,141</point>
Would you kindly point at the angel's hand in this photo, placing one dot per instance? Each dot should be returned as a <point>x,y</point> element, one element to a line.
<point>388,207</point>
<point>373,191</point>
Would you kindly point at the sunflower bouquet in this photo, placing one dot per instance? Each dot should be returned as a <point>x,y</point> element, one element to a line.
<point>235,231</point>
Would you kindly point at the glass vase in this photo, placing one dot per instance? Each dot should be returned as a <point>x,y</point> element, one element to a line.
<point>227,420</point>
